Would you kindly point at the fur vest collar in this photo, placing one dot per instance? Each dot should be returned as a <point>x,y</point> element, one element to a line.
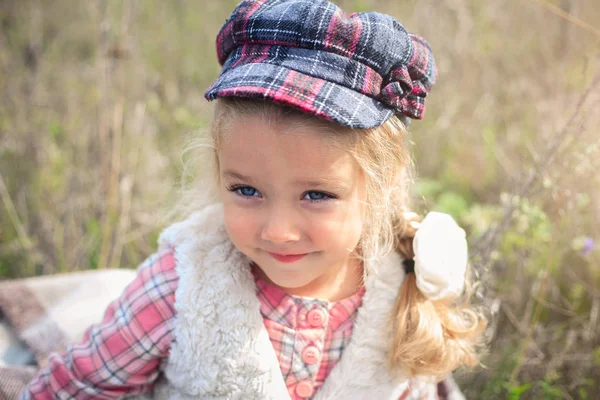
<point>222,349</point>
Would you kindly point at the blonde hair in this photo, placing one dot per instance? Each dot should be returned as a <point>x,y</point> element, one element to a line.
<point>428,338</point>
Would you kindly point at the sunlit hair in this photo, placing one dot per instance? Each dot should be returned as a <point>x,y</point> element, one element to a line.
<point>429,338</point>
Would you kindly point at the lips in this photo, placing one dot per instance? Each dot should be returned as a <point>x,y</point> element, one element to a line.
<point>287,258</point>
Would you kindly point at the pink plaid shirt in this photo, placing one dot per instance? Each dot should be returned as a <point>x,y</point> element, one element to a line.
<point>124,354</point>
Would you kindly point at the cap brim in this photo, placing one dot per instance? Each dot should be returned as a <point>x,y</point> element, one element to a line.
<point>312,95</point>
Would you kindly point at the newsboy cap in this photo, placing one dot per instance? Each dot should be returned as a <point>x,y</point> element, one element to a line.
<point>356,70</point>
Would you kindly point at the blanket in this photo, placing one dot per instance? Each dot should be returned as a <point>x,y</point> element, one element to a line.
<point>41,315</point>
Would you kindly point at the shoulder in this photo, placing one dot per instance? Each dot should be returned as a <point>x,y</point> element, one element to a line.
<point>158,271</point>
<point>151,295</point>
<point>198,242</point>
<point>186,249</point>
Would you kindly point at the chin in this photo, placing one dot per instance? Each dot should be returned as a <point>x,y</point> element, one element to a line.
<point>289,279</point>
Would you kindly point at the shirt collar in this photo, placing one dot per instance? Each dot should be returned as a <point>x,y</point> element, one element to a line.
<point>292,311</point>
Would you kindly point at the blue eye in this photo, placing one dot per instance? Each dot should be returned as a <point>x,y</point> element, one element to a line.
<point>245,191</point>
<point>317,196</point>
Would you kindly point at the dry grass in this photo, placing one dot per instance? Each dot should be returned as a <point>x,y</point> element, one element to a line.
<point>98,98</point>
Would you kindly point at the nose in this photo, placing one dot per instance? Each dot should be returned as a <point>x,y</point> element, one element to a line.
<point>280,226</point>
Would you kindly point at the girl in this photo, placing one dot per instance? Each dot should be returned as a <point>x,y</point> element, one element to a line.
<point>307,277</point>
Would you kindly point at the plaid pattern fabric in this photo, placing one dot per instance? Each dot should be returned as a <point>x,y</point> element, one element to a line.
<point>121,355</point>
<point>356,70</point>
<point>124,354</point>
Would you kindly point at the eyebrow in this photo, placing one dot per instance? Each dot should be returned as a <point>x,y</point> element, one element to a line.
<point>236,175</point>
<point>325,182</point>
<point>302,182</point>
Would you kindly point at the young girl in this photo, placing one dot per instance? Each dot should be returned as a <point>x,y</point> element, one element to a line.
<point>307,277</point>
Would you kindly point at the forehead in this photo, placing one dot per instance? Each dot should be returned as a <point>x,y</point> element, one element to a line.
<point>253,145</point>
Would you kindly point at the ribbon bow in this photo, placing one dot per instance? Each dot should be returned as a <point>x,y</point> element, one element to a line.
<point>407,85</point>
<point>441,254</point>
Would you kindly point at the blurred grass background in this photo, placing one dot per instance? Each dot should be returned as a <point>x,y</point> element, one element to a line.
<point>99,96</point>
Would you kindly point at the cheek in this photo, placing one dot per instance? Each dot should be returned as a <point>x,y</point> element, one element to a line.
<point>351,232</point>
<point>340,230</point>
<point>241,225</point>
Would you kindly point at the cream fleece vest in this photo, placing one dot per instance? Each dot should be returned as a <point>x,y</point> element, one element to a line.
<point>222,349</point>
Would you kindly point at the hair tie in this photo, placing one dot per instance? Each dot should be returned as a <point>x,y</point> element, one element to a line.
<point>409,266</point>
<point>441,255</point>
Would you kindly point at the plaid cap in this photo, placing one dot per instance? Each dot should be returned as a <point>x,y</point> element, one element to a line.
<point>356,70</point>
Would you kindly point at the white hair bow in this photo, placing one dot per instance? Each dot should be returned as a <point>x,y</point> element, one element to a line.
<point>441,255</point>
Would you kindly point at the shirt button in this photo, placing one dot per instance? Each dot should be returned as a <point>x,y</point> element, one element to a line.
<point>316,317</point>
<point>311,355</point>
<point>304,389</point>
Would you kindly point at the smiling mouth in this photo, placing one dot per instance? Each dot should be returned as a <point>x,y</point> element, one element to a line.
<point>287,258</point>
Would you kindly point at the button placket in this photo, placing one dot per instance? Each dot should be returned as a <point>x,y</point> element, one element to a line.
<point>305,389</point>
<point>316,318</point>
<point>311,355</point>
<point>309,341</point>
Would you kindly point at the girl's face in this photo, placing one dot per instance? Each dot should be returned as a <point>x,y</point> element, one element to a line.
<point>294,203</point>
